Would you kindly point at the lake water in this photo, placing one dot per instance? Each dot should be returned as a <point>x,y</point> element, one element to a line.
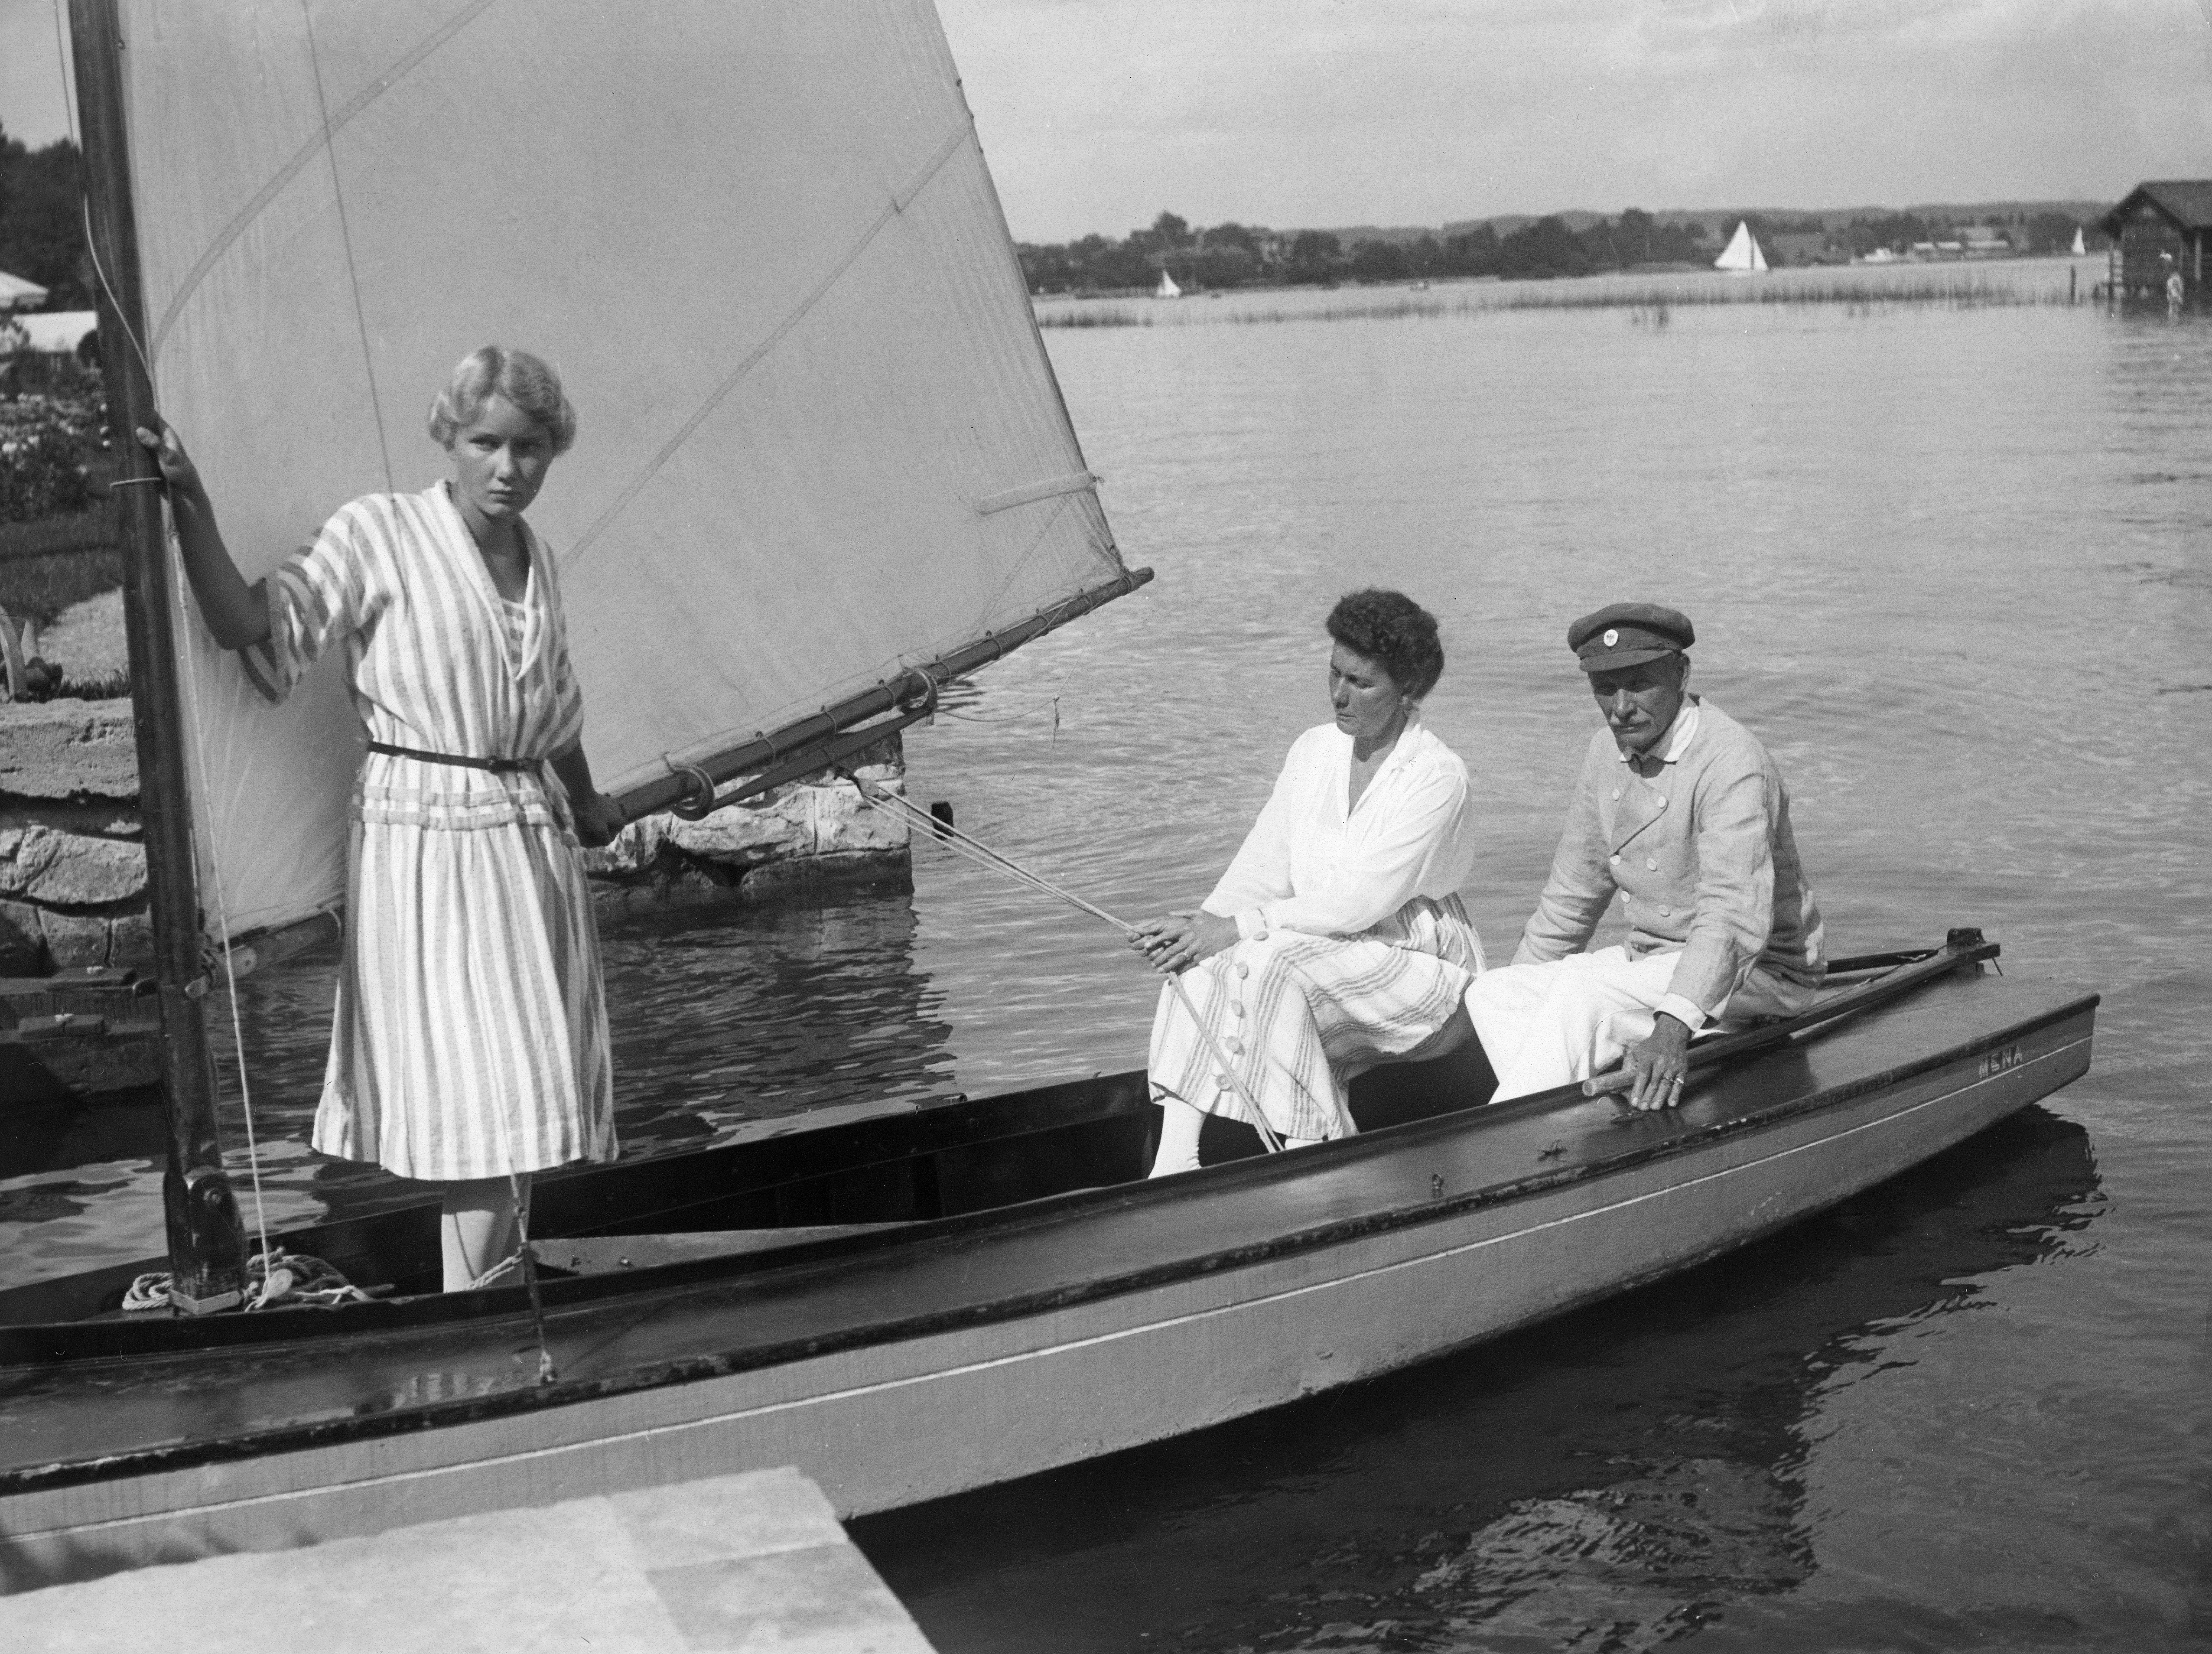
<point>1951,563</point>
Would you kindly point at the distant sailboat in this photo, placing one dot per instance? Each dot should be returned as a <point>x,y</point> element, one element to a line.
<point>1167,289</point>
<point>1741,256</point>
<point>2078,249</point>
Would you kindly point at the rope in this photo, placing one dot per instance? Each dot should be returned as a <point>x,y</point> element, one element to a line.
<point>286,1280</point>
<point>983,856</point>
<point>1044,705</point>
<point>192,692</point>
<point>529,1262</point>
<point>91,245</point>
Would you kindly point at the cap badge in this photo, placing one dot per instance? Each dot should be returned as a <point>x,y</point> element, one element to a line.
<point>1612,637</point>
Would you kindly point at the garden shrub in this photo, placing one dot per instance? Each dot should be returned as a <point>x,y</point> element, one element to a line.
<point>42,473</point>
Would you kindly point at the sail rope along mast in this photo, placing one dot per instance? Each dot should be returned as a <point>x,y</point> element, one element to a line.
<point>974,849</point>
<point>230,955</point>
<point>206,1243</point>
<point>222,915</point>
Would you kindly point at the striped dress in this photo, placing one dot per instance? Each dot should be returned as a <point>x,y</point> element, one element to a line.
<point>470,1038</point>
<point>1355,948</point>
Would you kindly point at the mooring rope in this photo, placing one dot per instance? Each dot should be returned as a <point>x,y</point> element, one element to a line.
<point>974,849</point>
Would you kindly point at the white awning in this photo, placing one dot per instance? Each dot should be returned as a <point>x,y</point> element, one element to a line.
<point>58,332</point>
<point>16,294</point>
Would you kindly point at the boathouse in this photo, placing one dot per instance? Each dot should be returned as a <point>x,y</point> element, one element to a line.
<point>2172,217</point>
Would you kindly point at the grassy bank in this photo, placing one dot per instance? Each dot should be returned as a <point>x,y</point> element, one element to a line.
<point>80,531</point>
<point>39,586</point>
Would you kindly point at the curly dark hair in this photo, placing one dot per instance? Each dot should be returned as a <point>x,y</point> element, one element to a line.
<point>1393,631</point>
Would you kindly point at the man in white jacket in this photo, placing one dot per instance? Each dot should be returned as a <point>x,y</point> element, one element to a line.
<point>1680,811</point>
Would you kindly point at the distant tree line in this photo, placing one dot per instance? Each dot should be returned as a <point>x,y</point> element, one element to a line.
<point>42,221</point>
<point>1244,255</point>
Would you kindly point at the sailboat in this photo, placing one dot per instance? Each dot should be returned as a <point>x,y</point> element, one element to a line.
<point>1167,289</point>
<point>824,470</point>
<point>2077,249</point>
<point>1741,256</point>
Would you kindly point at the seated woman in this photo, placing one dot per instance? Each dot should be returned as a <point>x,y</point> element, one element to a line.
<point>1336,940</point>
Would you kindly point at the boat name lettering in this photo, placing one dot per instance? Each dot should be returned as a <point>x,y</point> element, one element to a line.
<point>1997,1061</point>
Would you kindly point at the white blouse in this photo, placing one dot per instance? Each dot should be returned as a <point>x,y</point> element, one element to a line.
<point>1312,864</point>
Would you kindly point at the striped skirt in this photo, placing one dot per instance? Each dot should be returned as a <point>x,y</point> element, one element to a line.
<point>470,1038</point>
<point>1298,1017</point>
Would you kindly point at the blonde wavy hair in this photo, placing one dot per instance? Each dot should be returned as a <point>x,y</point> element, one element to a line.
<point>527,381</point>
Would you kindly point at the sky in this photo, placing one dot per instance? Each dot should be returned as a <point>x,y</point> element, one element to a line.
<point>1099,114</point>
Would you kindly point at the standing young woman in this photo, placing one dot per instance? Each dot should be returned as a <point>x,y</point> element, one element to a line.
<point>469,1044</point>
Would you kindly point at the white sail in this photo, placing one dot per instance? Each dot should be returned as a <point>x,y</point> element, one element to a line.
<point>819,438</point>
<point>2078,249</point>
<point>1741,256</point>
<point>1167,289</point>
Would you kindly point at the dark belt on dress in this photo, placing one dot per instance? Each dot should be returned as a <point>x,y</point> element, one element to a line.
<point>497,766</point>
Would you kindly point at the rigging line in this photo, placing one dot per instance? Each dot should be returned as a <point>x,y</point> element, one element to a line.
<point>976,851</point>
<point>1060,503</point>
<point>91,246</point>
<point>1003,717</point>
<point>186,659</point>
<point>185,656</point>
<point>897,204</point>
<point>284,175</point>
<point>345,241</point>
<point>191,685</point>
<point>883,799</point>
<point>100,269</point>
<point>529,1263</point>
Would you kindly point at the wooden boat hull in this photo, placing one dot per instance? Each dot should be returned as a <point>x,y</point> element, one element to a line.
<point>1073,1327</point>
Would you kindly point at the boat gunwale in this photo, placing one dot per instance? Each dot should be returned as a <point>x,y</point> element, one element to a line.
<point>1908,970</point>
<point>789,1273</point>
<point>151,1338</point>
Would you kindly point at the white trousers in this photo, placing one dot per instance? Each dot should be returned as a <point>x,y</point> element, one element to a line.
<point>1549,1025</point>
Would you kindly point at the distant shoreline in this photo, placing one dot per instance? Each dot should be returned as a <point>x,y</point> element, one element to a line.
<point>1652,294</point>
<point>1172,256</point>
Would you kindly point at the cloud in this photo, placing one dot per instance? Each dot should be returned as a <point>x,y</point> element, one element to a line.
<point>1098,113</point>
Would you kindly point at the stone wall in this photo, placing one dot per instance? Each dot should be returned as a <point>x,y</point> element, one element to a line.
<point>73,872</point>
<point>798,835</point>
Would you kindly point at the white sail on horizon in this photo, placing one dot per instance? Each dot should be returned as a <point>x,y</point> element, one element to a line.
<point>819,440</point>
<point>1742,256</point>
<point>1167,289</point>
<point>2078,250</point>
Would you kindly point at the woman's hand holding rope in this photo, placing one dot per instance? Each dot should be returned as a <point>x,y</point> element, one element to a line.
<point>1181,940</point>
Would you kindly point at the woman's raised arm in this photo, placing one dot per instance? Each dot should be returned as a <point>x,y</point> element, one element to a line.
<point>236,614</point>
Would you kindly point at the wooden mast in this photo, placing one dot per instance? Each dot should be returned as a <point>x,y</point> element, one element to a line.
<point>207,1251</point>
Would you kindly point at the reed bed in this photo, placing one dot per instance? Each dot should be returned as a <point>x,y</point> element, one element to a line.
<point>1116,317</point>
<point>1649,302</point>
